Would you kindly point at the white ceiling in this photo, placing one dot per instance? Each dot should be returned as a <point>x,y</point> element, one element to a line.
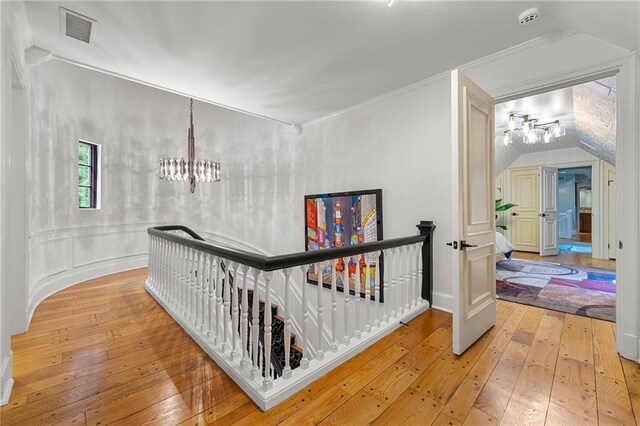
<point>299,61</point>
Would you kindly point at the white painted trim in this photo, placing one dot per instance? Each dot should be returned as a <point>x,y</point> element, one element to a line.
<point>539,41</point>
<point>300,378</point>
<point>294,126</point>
<point>6,381</point>
<point>443,302</point>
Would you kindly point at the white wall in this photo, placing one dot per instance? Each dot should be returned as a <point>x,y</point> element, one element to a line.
<point>557,156</point>
<point>14,38</point>
<point>401,145</point>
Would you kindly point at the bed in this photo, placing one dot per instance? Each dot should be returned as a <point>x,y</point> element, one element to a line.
<point>503,246</point>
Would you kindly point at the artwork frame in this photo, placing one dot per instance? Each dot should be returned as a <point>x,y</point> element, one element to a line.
<point>359,221</point>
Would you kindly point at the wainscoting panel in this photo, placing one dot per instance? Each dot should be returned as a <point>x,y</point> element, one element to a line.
<point>65,257</point>
<point>90,249</point>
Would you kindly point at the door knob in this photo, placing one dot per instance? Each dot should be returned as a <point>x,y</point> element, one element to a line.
<point>514,214</point>
<point>543,215</point>
<point>453,244</point>
<point>464,245</point>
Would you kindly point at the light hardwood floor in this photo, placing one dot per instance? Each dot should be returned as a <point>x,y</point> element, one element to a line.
<point>104,352</point>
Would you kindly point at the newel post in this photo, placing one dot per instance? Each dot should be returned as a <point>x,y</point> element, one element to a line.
<point>426,228</point>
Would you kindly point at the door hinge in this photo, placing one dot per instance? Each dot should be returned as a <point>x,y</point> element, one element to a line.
<point>620,245</point>
<point>608,246</point>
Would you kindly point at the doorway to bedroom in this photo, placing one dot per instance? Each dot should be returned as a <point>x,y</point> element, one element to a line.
<point>555,199</point>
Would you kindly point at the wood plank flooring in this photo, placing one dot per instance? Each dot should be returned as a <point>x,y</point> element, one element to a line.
<point>103,352</point>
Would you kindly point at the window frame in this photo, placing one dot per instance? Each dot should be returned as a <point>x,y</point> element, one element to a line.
<point>94,174</point>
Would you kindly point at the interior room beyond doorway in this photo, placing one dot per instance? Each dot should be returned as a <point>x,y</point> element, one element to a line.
<point>555,175</point>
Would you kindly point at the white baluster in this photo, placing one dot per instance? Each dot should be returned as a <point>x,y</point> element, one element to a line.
<point>212,298</point>
<point>172,273</point>
<point>377,307</point>
<point>400,263</point>
<point>204,295</point>
<point>161,263</point>
<point>286,373</point>
<point>367,294</point>
<point>245,320</point>
<point>235,320</point>
<point>256,372</point>
<point>198,298</point>
<point>408,279</point>
<point>384,287</point>
<point>180,264</point>
<point>185,281</point>
<point>219,306</point>
<point>345,289</point>
<point>150,261</point>
<point>192,286</point>
<point>166,285</point>
<point>414,287</point>
<point>166,291</point>
<point>334,307</point>
<point>420,277</point>
<point>268,381</point>
<point>358,288</point>
<point>393,293</point>
<point>158,265</point>
<point>320,310</point>
<point>304,362</point>
<point>227,307</point>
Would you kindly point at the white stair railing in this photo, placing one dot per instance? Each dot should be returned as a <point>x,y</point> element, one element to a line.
<point>216,294</point>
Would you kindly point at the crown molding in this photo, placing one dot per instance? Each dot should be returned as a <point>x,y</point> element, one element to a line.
<point>536,42</point>
<point>60,58</point>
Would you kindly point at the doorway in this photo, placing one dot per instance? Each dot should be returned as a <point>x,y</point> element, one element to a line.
<point>575,203</point>
<point>556,167</point>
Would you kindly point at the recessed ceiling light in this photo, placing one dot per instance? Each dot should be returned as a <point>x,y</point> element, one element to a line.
<point>529,15</point>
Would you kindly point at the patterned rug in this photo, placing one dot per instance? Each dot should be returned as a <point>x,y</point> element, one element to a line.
<point>589,292</point>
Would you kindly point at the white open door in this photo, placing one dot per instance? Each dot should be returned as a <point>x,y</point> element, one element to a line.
<point>474,283</point>
<point>548,211</point>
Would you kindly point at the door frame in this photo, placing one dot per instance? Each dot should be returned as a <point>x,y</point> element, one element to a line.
<point>627,163</point>
<point>606,194</point>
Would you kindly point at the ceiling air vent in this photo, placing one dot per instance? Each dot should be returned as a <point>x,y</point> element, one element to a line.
<point>77,26</point>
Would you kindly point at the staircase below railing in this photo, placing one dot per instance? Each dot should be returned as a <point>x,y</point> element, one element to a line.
<point>247,327</point>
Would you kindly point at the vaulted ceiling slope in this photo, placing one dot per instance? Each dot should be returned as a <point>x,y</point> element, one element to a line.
<point>298,61</point>
<point>587,112</point>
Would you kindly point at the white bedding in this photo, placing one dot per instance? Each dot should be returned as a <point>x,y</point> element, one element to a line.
<point>503,246</point>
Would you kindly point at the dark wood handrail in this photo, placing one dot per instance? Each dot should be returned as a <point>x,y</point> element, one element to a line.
<point>274,263</point>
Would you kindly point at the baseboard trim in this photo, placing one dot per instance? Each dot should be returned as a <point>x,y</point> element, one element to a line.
<point>628,346</point>
<point>442,302</point>
<point>6,381</point>
<point>60,281</point>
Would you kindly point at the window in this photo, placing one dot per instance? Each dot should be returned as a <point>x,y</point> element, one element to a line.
<point>88,167</point>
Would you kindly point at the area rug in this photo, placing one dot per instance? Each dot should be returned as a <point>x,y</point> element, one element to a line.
<point>589,292</point>
<point>575,247</point>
